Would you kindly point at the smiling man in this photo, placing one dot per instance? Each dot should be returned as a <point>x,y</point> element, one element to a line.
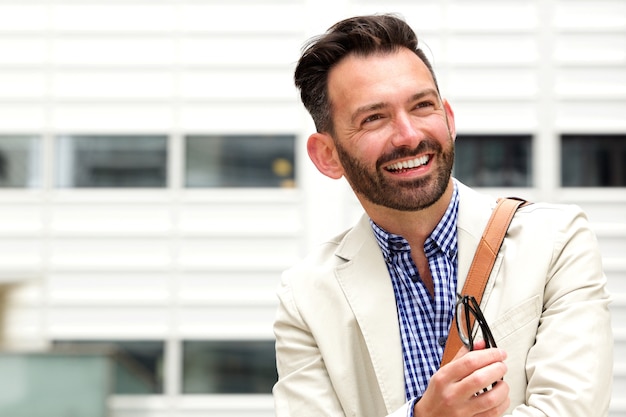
<point>363,321</point>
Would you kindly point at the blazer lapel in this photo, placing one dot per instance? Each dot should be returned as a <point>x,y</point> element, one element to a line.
<point>368,289</point>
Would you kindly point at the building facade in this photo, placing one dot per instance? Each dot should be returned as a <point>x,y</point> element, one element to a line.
<point>154,180</point>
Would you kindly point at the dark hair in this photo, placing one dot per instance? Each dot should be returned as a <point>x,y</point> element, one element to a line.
<point>361,35</point>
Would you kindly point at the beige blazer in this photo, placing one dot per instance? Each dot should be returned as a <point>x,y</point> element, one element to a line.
<point>338,346</point>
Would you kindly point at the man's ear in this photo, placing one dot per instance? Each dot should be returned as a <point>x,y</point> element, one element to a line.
<point>321,148</point>
<point>450,119</point>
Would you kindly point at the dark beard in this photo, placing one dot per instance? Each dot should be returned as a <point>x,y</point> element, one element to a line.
<point>401,195</point>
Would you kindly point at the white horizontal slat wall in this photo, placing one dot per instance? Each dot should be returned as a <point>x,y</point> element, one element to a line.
<point>178,264</point>
<point>172,264</point>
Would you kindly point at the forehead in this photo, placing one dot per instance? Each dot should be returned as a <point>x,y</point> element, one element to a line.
<point>357,80</point>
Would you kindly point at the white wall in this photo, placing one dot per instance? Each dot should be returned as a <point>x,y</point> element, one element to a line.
<point>167,264</point>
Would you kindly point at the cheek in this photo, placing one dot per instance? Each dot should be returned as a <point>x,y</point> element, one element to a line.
<point>441,131</point>
<point>370,150</point>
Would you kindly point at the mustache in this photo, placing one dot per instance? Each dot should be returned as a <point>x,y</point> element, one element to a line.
<point>427,145</point>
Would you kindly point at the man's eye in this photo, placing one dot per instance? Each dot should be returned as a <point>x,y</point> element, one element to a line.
<point>371,118</point>
<point>424,104</point>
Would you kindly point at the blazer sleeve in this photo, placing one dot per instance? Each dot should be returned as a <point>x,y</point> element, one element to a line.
<point>569,366</point>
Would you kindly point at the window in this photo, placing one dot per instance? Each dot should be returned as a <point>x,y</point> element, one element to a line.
<point>494,160</point>
<point>240,161</point>
<point>138,364</point>
<point>20,162</point>
<point>54,384</point>
<point>593,160</point>
<point>111,161</point>
<point>228,367</point>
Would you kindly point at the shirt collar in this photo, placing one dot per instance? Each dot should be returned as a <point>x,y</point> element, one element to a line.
<point>443,237</point>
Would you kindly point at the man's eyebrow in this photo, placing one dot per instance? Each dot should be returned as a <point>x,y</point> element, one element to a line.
<point>425,93</point>
<point>367,108</point>
<point>378,106</point>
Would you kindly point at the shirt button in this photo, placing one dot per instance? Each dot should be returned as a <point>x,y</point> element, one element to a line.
<point>442,341</point>
<point>398,246</point>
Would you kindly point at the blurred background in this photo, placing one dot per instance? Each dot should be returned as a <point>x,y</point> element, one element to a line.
<point>154,179</point>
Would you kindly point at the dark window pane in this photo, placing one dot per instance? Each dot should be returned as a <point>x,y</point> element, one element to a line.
<point>593,160</point>
<point>240,161</point>
<point>228,367</point>
<point>138,364</point>
<point>494,160</point>
<point>111,161</point>
<point>20,161</point>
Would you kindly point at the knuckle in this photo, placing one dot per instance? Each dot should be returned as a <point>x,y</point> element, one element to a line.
<point>447,399</point>
<point>437,380</point>
<point>491,401</point>
<point>474,380</point>
<point>505,368</point>
<point>472,362</point>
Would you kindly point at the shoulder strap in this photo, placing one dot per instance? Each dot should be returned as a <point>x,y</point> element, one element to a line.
<point>482,264</point>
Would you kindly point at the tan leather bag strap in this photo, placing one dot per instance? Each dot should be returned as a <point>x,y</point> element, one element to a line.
<point>482,264</point>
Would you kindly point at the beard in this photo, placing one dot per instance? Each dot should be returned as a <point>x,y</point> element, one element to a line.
<point>411,195</point>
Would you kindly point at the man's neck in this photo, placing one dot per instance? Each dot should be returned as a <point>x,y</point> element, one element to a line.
<point>414,226</point>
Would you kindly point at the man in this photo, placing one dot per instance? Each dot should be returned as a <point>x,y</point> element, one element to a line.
<point>362,322</point>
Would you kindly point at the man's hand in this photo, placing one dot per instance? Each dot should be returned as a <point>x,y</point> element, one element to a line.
<point>456,390</point>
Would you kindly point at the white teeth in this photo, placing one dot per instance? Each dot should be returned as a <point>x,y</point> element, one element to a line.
<point>423,160</point>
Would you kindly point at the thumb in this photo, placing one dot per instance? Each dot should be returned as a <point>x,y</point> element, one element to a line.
<point>478,345</point>
<point>460,353</point>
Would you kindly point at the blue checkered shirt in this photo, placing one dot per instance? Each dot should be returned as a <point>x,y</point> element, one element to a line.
<point>424,321</point>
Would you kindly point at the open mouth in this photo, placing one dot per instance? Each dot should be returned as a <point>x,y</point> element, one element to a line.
<point>408,164</point>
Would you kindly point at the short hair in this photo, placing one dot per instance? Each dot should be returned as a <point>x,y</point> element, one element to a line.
<point>361,35</point>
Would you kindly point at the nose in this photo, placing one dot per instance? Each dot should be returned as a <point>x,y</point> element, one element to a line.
<point>406,132</point>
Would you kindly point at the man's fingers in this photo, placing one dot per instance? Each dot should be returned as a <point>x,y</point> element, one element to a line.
<point>482,379</point>
<point>466,363</point>
<point>494,402</point>
<point>454,386</point>
<point>478,345</point>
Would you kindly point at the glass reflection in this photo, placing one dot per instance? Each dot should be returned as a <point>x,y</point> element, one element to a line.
<point>240,161</point>
<point>229,367</point>
<point>138,365</point>
<point>593,160</point>
<point>111,161</point>
<point>20,161</point>
<point>494,160</point>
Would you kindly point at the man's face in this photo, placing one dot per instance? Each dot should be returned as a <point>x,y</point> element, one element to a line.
<point>394,137</point>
